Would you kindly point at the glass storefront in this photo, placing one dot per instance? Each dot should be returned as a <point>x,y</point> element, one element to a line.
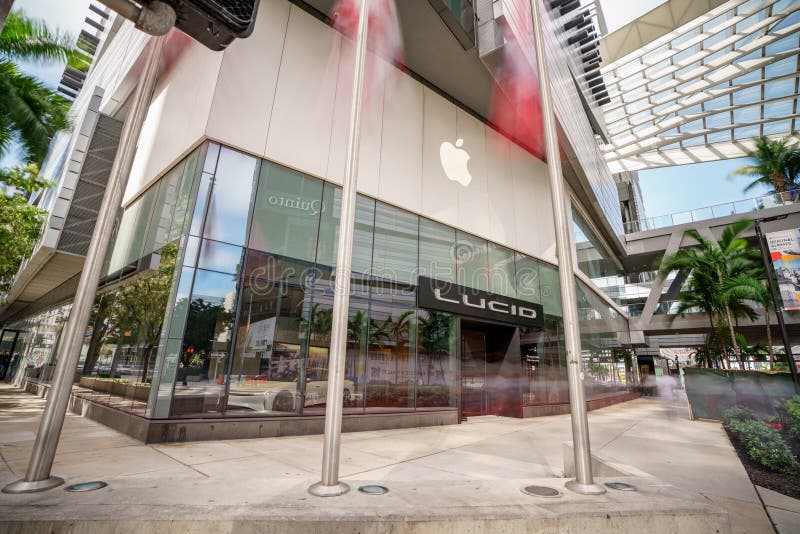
<point>219,293</point>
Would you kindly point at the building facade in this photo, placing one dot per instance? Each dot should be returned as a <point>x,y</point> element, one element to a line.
<point>215,303</point>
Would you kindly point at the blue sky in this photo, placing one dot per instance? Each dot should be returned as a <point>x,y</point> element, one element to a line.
<point>685,187</point>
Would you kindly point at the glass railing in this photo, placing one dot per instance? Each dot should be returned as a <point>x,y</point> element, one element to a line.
<point>740,207</point>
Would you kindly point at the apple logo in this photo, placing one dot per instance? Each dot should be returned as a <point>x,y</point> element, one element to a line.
<point>454,162</point>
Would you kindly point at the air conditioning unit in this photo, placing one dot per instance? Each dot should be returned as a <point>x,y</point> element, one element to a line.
<point>214,23</point>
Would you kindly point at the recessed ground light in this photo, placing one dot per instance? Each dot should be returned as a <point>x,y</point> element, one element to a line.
<point>541,491</point>
<point>620,486</point>
<point>86,486</point>
<point>373,489</point>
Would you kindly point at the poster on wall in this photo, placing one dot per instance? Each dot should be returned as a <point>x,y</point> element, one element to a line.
<point>784,250</point>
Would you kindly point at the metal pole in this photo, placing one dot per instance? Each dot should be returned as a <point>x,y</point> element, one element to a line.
<point>583,482</point>
<point>5,9</point>
<point>787,346</point>
<point>37,477</point>
<point>330,486</point>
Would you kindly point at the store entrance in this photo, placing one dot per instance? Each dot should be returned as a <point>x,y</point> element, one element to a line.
<point>490,369</point>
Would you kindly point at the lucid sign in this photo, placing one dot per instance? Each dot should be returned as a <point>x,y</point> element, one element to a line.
<point>445,296</point>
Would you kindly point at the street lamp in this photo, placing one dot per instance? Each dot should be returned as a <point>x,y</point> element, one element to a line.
<point>787,346</point>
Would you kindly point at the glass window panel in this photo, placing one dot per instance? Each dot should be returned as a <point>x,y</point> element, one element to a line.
<point>163,210</point>
<point>655,55</point>
<point>199,212</point>
<point>437,360</point>
<point>747,131</point>
<point>779,88</point>
<point>221,257</point>
<point>719,137</point>
<point>287,213</point>
<point>396,242</point>
<point>181,303</point>
<point>192,248</point>
<point>778,109</point>
<point>139,230</point>
<point>229,206</point>
<point>526,276</point>
<point>268,375</point>
<point>791,20</point>
<point>718,37</point>
<point>782,45</point>
<point>718,119</point>
<point>472,264</point>
<point>777,127</point>
<point>717,103</point>
<point>358,334</point>
<point>328,244</point>
<point>601,332</point>
<point>212,155</point>
<point>502,271</point>
<point>183,203</point>
<point>266,266</point>
<point>122,241</point>
<point>747,96</point>
<point>748,114</point>
<point>694,141</point>
<point>779,68</point>
<point>200,384</point>
<point>437,251</point>
<point>550,289</point>
<point>390,357</point>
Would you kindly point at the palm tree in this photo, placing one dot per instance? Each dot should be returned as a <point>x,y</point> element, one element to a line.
<point>775,163</point>
<point>31,113</point>
<point>706,268</point>
<point>752,288</point>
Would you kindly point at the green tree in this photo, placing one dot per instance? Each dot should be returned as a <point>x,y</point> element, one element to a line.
<point>31,113</point>
<point>707,267</point>
<point>20,221</point>
<point>753,288</point>
<point>775,162</point>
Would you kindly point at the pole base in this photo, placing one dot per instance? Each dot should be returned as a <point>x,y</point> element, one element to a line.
<point>585,489</point>
<point>321,490</point>
<point>24,486</point>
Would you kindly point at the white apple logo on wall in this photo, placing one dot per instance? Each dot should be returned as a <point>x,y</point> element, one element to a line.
<point>454,162</point>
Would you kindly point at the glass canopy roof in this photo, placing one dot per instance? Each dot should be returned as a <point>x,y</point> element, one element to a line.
<point>703,90</point>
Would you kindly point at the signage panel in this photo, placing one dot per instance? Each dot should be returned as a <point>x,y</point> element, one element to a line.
<point>448,297</point>
<point>784,249</point>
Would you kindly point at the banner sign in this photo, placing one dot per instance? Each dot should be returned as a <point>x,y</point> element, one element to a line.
<point>448,297</point>
<point>784,250</point>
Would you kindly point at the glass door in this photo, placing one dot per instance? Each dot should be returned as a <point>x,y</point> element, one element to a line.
<point>473,372</point>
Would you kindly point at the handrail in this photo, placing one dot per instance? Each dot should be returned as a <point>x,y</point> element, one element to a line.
<point>738,207</point>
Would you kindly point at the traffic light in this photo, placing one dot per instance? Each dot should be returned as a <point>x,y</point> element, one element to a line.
<point>214,23</point>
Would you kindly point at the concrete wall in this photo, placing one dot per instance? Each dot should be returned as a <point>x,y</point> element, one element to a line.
<point>284,93</point>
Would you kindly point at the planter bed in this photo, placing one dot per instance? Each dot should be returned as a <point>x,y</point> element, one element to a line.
<point>761,476</point>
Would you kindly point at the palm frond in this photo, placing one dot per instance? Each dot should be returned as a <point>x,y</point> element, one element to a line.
<point>27,39</point>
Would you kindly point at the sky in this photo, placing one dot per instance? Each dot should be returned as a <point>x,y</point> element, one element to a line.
<point>665,191</point>
<point>66,16</point>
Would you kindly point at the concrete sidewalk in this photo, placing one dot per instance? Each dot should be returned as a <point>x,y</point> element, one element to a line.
<point>462,471</point>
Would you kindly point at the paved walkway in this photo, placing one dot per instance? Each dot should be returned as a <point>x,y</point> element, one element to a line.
<point>653,436</point>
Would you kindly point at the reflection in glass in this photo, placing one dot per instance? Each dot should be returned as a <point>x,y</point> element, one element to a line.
<point>287,212</point>
<point>229,205</point>
<point>436,360</point>
<point>267,371</point>
<point>472,261</point>
<point>200,381</point>
<point>329,230</point>
<point>394,255</point>
<point>436,251</point>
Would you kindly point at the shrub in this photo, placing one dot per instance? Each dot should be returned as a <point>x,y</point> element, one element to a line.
<point>738,413</point>
<point>764,445</point>
<point>793,416</point>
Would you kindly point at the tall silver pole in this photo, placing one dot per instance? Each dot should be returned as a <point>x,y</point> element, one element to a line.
<point>583,482</point>
<point>37,477</point>
<point>330,485</point>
